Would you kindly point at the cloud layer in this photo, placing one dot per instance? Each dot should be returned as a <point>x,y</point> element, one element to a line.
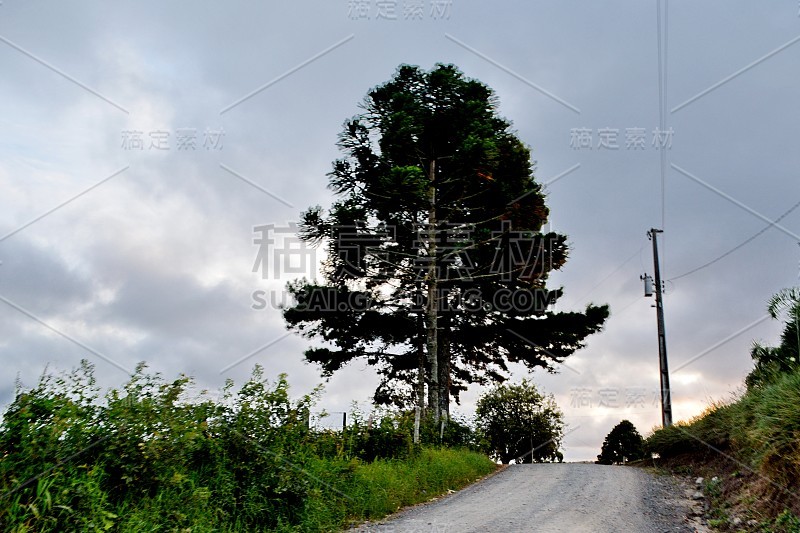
<point>154,263</point>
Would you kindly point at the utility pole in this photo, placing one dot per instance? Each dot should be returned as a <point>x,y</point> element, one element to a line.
<point>666,402</point>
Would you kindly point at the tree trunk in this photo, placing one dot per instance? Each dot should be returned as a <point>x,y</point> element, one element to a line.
<point>444,367</point>
<point>433,298</point>
<point>420,407</point>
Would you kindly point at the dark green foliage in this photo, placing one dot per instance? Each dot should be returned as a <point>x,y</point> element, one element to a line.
<point>623,443</point>
<point>520,424</point>
<point>773,362</point>
<point>483,184</point>
<point>383,436</point>
<point>387,434</point>
<point>154,456</point>
<point>149,440</point>
<point>458,432</point>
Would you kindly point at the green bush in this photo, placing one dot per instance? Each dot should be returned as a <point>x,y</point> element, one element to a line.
<point>622,443</point>
<point>381,437</point>
<point>155,456</point>
<point>773,362</point>
<point>520,424</point>
<point>710,431</point>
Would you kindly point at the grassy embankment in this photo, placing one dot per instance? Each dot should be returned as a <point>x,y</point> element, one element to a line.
<point>752,446</point>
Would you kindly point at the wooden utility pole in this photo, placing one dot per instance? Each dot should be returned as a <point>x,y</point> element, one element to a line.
<point>666,401</point>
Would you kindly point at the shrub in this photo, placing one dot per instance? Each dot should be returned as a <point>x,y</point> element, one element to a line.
<point>520,424</point>
<point>155,456</point>
<point>623,442</point>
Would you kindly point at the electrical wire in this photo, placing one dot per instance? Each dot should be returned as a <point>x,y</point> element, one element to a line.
<point>729,252</point>
<point>626,307</point>
<point>634,254</point>
<point>661,36</point>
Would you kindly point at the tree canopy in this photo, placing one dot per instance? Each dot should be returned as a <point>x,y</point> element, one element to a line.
<point>774,361</point>
<point>623,443</point>
<point>520,424</point>
<point>437,262</point>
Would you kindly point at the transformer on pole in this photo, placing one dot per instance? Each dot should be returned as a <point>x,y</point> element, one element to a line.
<point>655,286</point>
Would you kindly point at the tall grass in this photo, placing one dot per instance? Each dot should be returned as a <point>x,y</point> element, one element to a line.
<point>152,456</point>
<point>762,427</point>
<point>760,432</point>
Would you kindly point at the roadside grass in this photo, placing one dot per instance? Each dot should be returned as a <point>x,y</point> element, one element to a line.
<point>341,493</point>
<point>752,445</point>
<point>151,457</point>
<point>383,487</point>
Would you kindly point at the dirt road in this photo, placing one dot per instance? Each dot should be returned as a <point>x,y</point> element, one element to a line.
<point>552,498</point>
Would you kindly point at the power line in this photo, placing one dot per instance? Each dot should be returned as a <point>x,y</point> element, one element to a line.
<point>634,254</point>
<point>618,313</point>
<point>661,36</point>
<point>729,252</point>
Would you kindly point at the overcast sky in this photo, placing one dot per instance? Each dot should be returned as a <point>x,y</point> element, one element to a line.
<point>121,252</point>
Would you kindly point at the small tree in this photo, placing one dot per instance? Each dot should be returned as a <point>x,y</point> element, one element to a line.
<point>773,361</point>
<point>624,442</point>
<point>520,424</point>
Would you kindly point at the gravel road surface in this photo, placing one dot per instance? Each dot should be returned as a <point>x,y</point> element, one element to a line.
<point>552,497</point>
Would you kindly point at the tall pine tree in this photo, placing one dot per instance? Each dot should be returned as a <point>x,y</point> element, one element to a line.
<point>437,264</point>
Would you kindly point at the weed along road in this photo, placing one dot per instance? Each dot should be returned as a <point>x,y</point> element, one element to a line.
<point>552,498</point>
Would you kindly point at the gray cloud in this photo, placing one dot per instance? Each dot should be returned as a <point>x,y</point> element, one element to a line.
<point>155,264</point>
